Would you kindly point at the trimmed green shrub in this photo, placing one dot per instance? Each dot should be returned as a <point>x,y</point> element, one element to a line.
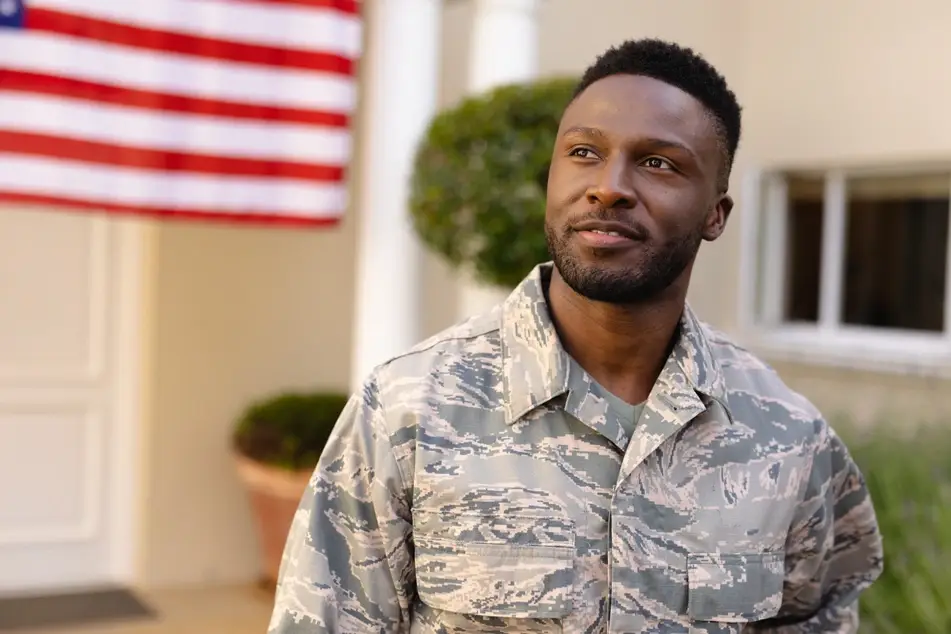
<point>480,178</point>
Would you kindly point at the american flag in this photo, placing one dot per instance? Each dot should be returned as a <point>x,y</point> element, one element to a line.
<point>225,109</point>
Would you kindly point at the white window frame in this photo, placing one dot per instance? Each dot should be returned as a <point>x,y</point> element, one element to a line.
<point>763,203</point>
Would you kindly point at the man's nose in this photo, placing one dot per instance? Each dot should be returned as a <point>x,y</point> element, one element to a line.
<point>613,187</point>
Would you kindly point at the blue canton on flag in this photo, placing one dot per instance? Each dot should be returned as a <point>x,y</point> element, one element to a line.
<point>12,13</point>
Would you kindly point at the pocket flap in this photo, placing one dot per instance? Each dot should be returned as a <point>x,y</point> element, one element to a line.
<point>531,578</point>
<point>734,588</point>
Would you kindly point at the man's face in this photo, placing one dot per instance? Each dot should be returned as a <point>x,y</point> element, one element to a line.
<point>632,189</point>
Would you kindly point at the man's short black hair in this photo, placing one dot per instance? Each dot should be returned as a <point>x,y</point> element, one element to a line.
<point>680,67</point>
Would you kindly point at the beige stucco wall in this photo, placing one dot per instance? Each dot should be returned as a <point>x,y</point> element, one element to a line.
<point>239,312</point>
<point>853,81</point>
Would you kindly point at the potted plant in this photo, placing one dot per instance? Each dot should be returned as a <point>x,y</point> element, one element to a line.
<point>480,176</point>
<point>277,442</point>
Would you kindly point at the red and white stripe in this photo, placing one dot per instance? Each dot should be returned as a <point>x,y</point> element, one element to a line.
<point>235,109</point>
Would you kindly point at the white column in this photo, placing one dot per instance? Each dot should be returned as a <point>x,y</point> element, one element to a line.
<point>504,50</point>
<point>504,43</point>
<point>400,89</point>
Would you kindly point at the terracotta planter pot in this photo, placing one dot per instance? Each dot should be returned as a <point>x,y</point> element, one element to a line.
<point>275,495</point>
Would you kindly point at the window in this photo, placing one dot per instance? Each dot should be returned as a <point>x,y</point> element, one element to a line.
<point>859,257</point>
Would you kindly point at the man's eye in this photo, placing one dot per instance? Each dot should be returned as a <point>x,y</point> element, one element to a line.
<point>582,152</point>
<point>658,163</point>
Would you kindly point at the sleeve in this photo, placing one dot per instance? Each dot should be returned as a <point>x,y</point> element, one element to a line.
<point>834,549</point>
<point>347,566</point>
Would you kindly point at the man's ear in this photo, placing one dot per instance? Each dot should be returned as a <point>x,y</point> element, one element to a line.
<point>717,218</point>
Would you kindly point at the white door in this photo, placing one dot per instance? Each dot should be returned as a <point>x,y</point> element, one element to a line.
<point>61,448</point>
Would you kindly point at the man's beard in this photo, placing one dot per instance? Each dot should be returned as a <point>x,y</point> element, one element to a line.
<point>662,266</point>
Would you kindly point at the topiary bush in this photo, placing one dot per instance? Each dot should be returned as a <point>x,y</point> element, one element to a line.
<point>909,478</point>
<point>480,174</point>
<point>288,430</point>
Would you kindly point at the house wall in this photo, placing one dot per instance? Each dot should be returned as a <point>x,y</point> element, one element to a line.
<point>843,83</point>
<point>240,312</point>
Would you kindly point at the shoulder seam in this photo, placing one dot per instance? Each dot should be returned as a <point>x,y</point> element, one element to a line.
<point>425,348</point>
<point>374,382</point>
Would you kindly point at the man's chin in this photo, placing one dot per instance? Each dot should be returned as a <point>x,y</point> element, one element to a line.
<point>609,271</point>
<point>603,284</point>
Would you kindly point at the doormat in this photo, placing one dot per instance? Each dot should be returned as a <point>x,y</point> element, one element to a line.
<point>21,614</point>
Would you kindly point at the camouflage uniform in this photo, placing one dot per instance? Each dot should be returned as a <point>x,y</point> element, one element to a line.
<point>476,485</point>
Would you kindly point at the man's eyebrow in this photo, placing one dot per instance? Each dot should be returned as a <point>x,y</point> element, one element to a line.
<point>651,142</point>
<point>580,130</point>
<point>667,144</point>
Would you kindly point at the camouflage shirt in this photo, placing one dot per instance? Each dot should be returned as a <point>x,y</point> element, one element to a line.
<point>474,485</point>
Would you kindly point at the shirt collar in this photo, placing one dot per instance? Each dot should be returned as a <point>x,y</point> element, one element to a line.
<point>535,365</point>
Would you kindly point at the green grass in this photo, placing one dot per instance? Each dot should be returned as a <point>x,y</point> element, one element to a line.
<point>909,476</point>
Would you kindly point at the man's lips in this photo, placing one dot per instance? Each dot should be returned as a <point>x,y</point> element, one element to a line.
<point>606,234</point>
<point>604,240</point>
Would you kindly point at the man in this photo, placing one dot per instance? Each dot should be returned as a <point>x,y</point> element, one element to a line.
<point>589,457</point>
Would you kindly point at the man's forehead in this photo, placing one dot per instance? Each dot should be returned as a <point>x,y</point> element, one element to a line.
<point>634,104</point>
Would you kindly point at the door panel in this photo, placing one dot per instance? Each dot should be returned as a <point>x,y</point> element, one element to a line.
<point>57,309</point>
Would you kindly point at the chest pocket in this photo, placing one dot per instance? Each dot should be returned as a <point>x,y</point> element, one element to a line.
<point>508,567</point>
<point>734,588</point>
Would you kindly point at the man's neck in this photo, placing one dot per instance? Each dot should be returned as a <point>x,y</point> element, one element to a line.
<point>624,348</point>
